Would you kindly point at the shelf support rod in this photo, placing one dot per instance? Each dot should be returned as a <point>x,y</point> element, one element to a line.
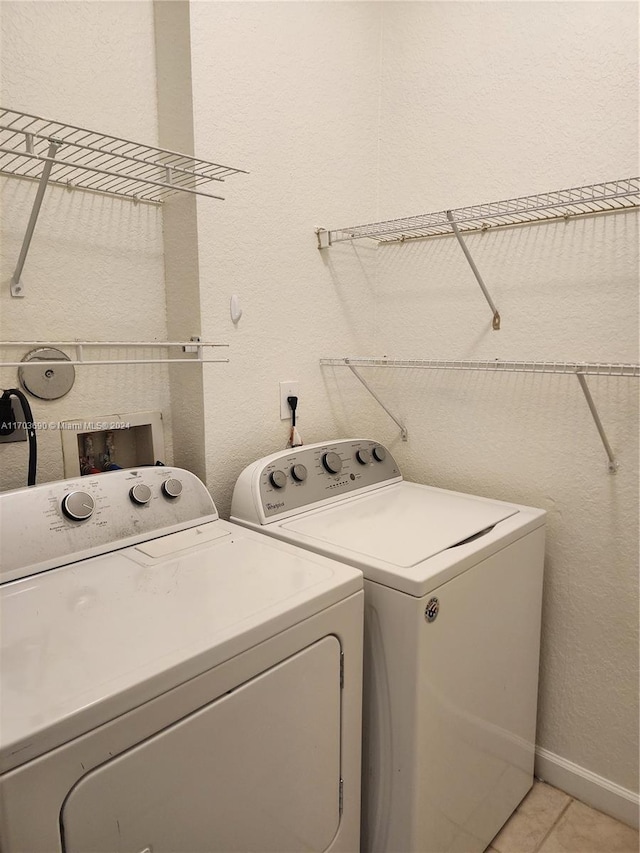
<point>496,315</point>
<point>403,430</point>
<point>613,464</point>
<point>17,288</point>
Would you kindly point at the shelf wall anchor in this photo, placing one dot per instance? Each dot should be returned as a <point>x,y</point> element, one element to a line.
<point>495,324</point>
<point>17,287</point>
<point>403,430</point>
<point>613,464</point>
<point>324,238</point>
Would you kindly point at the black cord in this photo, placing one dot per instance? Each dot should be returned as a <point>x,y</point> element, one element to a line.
<point>31,431</point>
<point>7,416</point>
<point>293,405</point>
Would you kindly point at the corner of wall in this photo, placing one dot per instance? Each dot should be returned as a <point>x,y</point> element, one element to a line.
<point>180,231</point>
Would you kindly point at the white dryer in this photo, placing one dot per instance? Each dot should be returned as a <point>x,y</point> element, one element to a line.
<point>453,587</point>
<point>169,681</point>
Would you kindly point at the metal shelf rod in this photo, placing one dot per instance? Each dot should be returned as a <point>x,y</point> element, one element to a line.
<point>77,363</point>
<point>496,316</point>
<point>403,430</point>
<point>106,344</point>
<point>195,348</point>
<point>17,287</point>
<point>613,464</point>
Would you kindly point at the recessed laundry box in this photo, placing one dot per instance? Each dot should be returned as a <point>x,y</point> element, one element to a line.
<point>107,442</point>
<point>171,681</point>
<point>453,590</point>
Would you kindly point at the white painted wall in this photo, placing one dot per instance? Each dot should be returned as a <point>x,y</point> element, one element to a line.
<point>182,275</point>
<point>288,91</point>
<point>95,267</point>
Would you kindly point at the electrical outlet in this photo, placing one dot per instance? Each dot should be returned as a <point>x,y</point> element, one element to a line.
<point>287,389</point>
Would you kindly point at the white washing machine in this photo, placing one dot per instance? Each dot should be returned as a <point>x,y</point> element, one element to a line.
<point>170,682</point>
<point>453,587</point>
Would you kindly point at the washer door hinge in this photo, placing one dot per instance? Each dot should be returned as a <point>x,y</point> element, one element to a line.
<point>341,795</point>
<point>341,670</point>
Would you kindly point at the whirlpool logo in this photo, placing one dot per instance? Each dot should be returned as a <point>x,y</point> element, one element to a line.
<point>275,506</point>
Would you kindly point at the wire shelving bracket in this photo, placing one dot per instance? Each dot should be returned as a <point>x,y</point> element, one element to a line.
<point>17,288</point>
<point>579,369</point>
<point>404,435</point>
<point>495,323</point>
<point>606,197</point>
<point>52,152</point>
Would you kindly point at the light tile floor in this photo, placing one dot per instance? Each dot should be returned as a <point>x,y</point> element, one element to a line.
<point>550,821</point>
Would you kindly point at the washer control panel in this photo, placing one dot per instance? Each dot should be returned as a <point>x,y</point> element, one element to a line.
<point>297,478</point>
<point>57,523</point>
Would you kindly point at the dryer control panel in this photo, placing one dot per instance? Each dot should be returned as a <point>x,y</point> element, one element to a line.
<point>50,525</point>
<point>295,479</point>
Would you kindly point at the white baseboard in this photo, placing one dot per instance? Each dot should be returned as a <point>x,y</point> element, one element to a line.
<point>588,787</point>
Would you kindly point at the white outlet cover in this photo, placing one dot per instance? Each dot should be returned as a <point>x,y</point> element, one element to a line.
<point>287,389</point>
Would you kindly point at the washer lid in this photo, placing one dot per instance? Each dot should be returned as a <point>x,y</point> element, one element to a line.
<point>86,642</point>
<point>403,524</point>
<point>403,535</point>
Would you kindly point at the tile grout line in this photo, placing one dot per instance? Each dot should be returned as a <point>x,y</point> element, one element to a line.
<point>553,825</point>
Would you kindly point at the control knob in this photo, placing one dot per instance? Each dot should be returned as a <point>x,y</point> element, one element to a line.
<point>332,462</point>
<point>78,506</point>
<point>379,453</point>
<point>172,488</point>
<point>363,457</point>
<point>140,494</point>
<point>278,479</point>
<point>299,473</point>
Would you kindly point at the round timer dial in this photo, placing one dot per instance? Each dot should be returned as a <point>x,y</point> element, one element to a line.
<point>78,506</point>
<point>278,479</point>
<point>140,494</point>
<point>299,473</point>
<point>332,462</point>
<point>172,488</point>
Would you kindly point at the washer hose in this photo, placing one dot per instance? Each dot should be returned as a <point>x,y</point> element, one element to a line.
<point>28,425</point>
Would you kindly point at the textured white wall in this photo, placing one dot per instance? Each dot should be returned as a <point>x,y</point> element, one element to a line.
<point>95,267</point>
<point>182,274</point>
<point>482,101</point>
<point>288,91</point>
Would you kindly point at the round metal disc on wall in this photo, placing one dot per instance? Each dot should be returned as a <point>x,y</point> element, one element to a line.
<point>47,382</point>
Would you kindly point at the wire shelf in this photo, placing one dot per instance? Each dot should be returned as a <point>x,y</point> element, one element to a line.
<point>577,201</point>
<point>135,352</point>
<point>89,160</point>
<point>578,369</point>
<point>572,367</point>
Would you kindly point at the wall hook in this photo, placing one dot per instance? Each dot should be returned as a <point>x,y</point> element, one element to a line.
<point>235,309</point>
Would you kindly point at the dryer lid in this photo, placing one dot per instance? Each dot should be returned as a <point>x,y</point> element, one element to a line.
<point>402,525</point>
<point>87,642</point>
